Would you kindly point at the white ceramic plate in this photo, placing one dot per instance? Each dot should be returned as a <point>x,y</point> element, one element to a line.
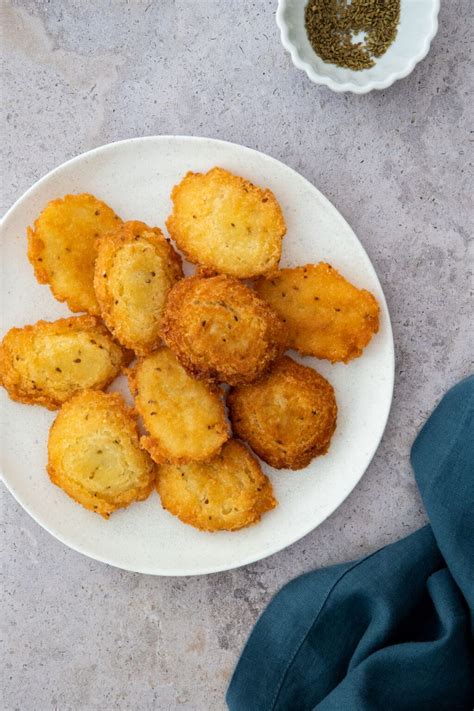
<point>135,177</point>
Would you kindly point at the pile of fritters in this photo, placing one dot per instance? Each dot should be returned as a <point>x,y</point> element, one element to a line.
<point>188,338</point>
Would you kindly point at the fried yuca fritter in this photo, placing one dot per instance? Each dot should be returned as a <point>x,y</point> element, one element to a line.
<point>185,418</point>
<point>219,329</point>
<point>134,270</point>
<point>327,316</point>
<point>94,453</point>
<point>225,493</point>
<point>288,417</point>
<point>45,364</point>
<point>226,223</point>
<point>61,247</point>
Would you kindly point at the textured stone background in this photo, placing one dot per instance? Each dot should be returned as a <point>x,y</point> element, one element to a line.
<point>76,74</point>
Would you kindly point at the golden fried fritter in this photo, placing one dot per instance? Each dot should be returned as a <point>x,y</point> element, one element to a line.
<point>219,329</point>
<point>226,223</point>
<point>134,270</point>
<point>45,364</point>
<point>94,454</point>
<point>288,417</point>
<point>225,493</point>
<point>61,247</point>
<point>185,418</point>
<point>326,315</point>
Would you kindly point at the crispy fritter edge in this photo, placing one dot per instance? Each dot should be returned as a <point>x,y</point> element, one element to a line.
<point>172,227</point>
<point>35,248</point>
<point>88,322</point>
<point>151,444</point>
<point>278,460</point>
<point>355,353</point>
<point>125,235</point>
<point>172,334</point>
<point>130,421</point>
<point>265,503</point>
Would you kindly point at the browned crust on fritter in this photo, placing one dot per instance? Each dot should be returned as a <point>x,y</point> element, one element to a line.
<point>28,394</point>
<point>285,436</point>
<point>133,233</point>
<point>204,272</point>
<point>220,330</point>
<point>225,493</point>
<point>231,219</point>
<point>115,413</point>
<point>327,316</point>
<point>83,300</point>
<point>159,446</point>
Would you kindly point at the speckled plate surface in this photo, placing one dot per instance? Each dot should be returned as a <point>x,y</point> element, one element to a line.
<point>135,177</point>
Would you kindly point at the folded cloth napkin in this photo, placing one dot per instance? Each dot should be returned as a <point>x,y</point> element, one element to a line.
<point>393,631</point>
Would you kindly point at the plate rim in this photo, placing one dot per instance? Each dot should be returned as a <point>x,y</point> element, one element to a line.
<point>183,572</point>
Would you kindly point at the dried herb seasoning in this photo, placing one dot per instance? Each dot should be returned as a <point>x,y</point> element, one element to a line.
<point>332,27</point>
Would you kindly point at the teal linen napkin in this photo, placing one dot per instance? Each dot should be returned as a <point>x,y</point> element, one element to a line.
<point>395,630</point>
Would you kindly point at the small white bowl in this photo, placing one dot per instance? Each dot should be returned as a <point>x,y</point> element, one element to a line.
<point>418,25</point>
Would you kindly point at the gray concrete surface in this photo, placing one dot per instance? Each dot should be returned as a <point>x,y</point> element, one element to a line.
<point>76,74</point>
